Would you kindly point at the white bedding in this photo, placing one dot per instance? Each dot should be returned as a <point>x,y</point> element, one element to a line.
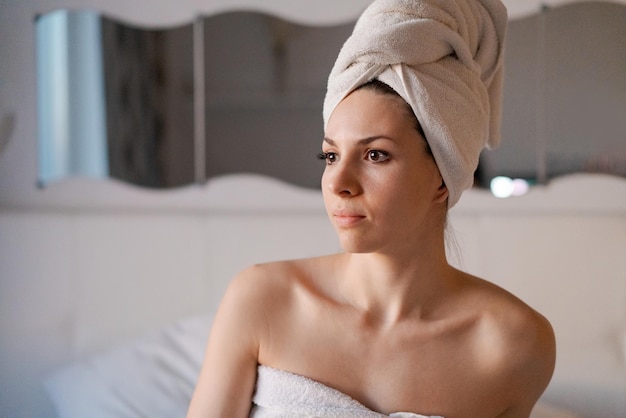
<point>151,376</point>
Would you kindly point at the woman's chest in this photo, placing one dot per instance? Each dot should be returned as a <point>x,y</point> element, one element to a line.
<point>393,371</point>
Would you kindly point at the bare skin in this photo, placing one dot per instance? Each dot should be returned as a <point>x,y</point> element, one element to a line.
<point>388,322</point>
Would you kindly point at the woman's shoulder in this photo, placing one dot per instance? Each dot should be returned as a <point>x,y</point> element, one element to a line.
<point>283,272</point>
<point>514,337</point>
<point>505,313</point>
<point>277,282</point>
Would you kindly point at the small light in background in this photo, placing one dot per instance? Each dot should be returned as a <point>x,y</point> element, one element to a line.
<point>503,187</point>
<point>520,187</point>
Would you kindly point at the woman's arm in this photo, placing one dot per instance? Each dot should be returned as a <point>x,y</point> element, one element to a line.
<point>532,357</point>
<point>227,378</point>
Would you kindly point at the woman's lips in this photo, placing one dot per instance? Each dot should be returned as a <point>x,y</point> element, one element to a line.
<point>347,219</point>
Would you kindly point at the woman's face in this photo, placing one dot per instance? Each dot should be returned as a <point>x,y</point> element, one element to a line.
<point>382,189</point>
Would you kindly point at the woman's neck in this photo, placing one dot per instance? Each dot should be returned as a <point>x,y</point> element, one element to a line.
<point>391,288</point>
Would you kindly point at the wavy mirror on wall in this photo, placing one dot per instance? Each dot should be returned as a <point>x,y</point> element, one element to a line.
<point>564,95</point>
<point>265,81</point>
<point>119,101</point>
<point>114,100</point>
<point>243,91</point>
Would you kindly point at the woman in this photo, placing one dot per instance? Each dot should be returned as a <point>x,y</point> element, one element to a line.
<point>388,325</point>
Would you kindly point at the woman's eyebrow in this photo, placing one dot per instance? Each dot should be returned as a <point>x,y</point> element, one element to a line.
<point>363,141</point>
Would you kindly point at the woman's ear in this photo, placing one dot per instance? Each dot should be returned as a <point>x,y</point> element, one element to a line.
<point>442,193</point>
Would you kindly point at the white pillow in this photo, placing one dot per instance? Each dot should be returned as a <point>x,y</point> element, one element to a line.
<point>152,376</point>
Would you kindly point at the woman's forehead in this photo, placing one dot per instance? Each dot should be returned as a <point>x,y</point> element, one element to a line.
<point>366,114</point>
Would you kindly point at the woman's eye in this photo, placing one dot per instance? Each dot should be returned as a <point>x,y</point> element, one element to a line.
<point>377,156</point>
<point>329,157</point>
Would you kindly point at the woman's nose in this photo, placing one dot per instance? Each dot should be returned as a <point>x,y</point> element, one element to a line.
<point>342,179</point>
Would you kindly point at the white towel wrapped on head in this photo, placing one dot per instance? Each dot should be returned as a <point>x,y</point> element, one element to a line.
<point>445,59</point>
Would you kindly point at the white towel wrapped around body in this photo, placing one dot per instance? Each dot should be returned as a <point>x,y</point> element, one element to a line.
<point>282,394</point>
<point>445,59</point>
